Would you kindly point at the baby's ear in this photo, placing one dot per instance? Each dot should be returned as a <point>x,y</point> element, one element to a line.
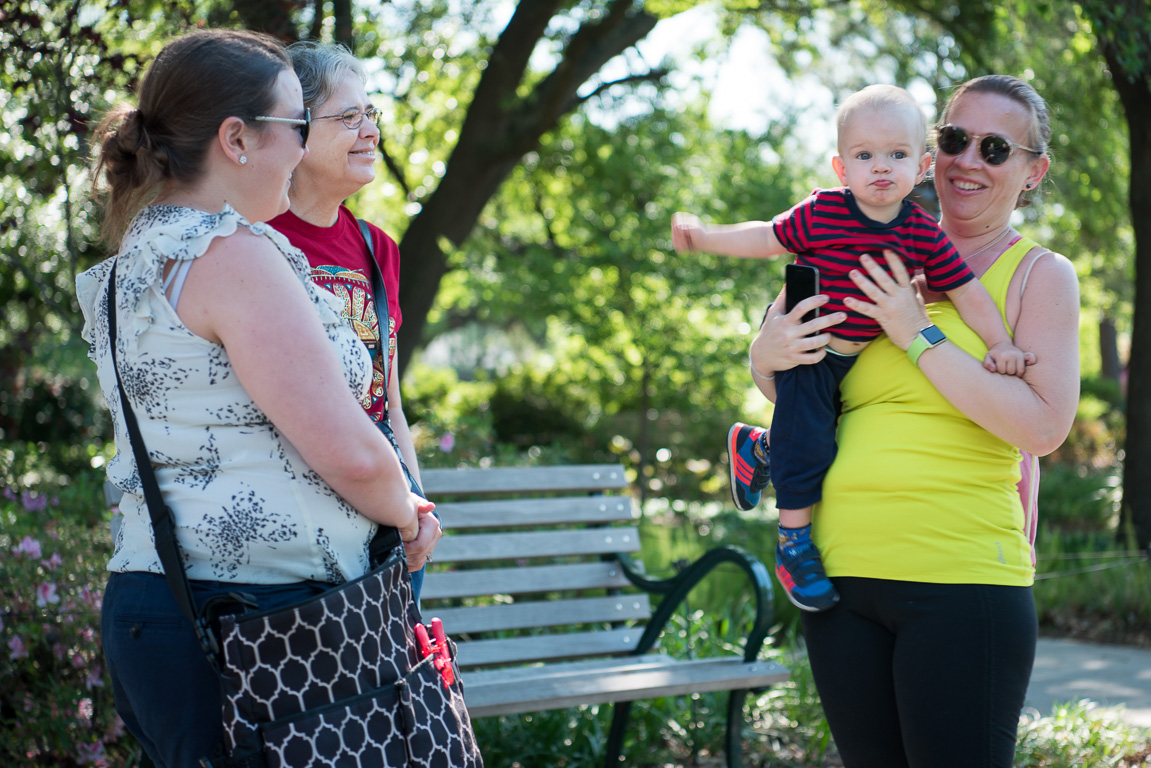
<point>840,170</point>
<point>924,166</point>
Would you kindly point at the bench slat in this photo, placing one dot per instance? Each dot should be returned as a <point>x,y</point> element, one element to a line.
<point>573,645</point>
<point>525,512</point>
<point>512,546</point>
<point>544,613</point>
<point>588,477</point>
<point>495,692</point>
<point>519,581</point>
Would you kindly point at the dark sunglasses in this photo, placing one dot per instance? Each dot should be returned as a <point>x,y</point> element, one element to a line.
<point>304,125</point>
<point>994,149</point>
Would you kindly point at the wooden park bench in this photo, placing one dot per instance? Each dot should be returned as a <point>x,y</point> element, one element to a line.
<point>535,581</point>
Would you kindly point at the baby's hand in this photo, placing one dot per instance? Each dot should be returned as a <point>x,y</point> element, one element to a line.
<point>686,232</point>
<point>1008,359</point>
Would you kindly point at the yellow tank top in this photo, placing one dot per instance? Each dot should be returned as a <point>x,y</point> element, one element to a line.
<point>918,492</point>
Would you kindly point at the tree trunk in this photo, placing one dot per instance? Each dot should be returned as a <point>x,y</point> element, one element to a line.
<point>1108,349</point>
<point>1134,90</point>
<point>500,128</point>
<point>271,16</point>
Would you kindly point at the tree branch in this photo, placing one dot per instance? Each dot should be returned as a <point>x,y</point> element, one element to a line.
<point>395,169</point>
<point>652,76</point>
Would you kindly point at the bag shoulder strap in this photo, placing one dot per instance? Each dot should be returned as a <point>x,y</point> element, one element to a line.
<point>163,526</point>
<point>380,295</point>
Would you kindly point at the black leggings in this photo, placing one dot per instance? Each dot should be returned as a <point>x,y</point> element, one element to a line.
<point>916,675</point>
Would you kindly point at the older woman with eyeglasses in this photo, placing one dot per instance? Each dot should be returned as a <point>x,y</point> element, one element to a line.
<point>342,160</point>
<point>926,517</point>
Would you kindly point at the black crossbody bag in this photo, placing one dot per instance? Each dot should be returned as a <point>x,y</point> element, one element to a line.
<point>339,679</point>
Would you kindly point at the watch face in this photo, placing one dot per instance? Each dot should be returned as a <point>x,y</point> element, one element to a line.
<point>933,335</point>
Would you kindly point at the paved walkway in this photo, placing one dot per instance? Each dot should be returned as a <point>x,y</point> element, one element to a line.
<point>1111,675</point>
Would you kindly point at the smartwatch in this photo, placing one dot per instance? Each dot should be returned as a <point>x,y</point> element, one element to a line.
<point>926,339</point>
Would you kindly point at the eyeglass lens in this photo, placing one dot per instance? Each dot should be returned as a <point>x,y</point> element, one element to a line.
<point>354,118</point>
<point>306,128</point>
<point>994,149</point>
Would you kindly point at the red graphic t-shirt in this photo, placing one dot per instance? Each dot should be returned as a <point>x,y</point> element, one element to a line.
<point>339,259</point>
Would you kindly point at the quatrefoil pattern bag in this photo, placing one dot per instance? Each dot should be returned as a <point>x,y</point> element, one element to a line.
<point>336,680</point>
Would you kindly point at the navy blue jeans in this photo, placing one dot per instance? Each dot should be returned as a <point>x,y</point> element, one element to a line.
<point>916,675</point>
<point>166,692</point>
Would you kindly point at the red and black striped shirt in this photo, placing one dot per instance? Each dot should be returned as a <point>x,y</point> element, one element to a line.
<point>829,232</point>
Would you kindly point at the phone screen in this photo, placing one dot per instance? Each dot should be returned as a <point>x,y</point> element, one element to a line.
<point>802,282</point>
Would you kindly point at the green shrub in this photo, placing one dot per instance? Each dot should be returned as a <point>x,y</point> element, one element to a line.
<point>56,705</point>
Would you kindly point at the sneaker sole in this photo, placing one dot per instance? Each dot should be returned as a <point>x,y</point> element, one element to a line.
<point>808,608</point>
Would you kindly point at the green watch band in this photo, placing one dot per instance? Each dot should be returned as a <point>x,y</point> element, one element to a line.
<point>926,339</point>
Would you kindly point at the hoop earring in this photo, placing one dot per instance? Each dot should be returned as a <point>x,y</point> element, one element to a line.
<point>244,161</point>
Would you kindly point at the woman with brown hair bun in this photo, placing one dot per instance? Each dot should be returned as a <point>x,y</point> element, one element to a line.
<point>244,378</point>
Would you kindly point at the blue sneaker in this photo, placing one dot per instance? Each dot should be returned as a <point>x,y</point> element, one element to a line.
<point>749,463</point>
<point>800,570</point>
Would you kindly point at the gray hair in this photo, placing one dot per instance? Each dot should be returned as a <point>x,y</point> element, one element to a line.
<point>320,67</point>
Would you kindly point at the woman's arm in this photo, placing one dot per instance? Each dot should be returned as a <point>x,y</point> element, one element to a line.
<point>242,294</point>
<point>1033,412</point>
<point>785,341</point>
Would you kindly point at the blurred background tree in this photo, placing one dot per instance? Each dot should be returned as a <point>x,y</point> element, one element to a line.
<point>532,154</point>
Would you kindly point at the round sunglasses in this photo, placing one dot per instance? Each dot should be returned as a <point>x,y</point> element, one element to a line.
<point>303,125</point>
<point>953,140</point>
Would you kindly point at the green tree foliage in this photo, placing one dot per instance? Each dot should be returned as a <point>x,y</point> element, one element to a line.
<point>61,65</point>
<point>633,340</point>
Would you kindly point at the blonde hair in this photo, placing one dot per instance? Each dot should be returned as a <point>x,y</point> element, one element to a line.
<point>880,97</point>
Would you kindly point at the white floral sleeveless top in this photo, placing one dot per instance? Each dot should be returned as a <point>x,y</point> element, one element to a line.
<point>247,508</point>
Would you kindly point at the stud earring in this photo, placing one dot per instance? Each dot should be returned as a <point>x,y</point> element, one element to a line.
<point>244,161</point>
<point>1028,186</point>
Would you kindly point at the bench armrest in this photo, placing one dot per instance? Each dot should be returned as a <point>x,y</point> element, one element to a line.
<point>675,589</point>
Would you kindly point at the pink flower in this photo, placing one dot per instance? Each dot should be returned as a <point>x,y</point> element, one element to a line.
<point>16,649</point>
<point>95,677</point>
<point>52,563</point>
<point>90,753</point>
<point>28,546</point>
<point>447,442</point>
<point>33,503</point>
<point>46,593</point>
<point>84,709</point>
<point>115,729</point>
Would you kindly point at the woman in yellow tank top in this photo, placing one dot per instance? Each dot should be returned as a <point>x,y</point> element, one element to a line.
<point>926,659</point>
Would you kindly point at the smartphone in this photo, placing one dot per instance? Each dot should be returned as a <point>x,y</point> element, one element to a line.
<point>802,282</point>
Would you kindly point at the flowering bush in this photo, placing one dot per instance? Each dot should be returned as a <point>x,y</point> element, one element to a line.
<point>56,704</point>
